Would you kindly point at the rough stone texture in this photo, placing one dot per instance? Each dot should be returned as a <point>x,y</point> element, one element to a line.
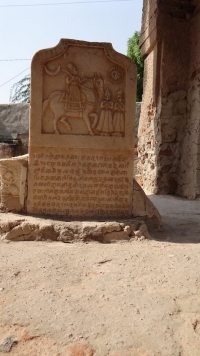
<point>190,163</point>
<point>8,343</point>
<point>137,118</point>
<point>81,153</point>
<point>20,228</point>
<point>7,150</point>
<point>13,197</point>
<point>13,183</point>
<point>14,128</point>
<point>169,122</point>
<point>143,207</point>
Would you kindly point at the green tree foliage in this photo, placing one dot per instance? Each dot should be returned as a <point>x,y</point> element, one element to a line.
<point>133,52</point>
<point>20,91</point>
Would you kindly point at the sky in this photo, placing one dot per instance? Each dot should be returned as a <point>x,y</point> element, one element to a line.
<point>26,29</point>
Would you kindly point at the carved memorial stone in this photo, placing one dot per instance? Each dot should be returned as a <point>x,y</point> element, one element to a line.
<point>81,149</point>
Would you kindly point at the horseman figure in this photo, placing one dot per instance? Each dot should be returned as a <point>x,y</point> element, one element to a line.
<point>76,100</point>
<point>72,96</point>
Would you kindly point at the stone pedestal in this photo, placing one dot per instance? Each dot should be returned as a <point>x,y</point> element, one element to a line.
<point>81,149</point>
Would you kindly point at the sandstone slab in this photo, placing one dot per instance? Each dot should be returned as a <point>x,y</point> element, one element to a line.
<point>82,118</point>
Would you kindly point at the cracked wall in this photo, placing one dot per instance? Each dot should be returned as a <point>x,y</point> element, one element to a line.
<point>169,122</point>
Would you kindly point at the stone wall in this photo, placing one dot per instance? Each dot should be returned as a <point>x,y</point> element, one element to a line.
<point>14,129</point>
<point>190,163</point>
<point>168,130</point>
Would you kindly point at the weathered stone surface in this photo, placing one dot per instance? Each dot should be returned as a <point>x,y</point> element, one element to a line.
<point>169,143</point>
<point>14,125</point>
<point>189,185</point>
<point>81,131</point>
<point>81,183</point>
<point>13,183</point>
<point>6,150</point>
<point>137,118</point>
<point>32,228</point>
<point>13,173</point>
<point>8,343</point>
<point>81,153</point>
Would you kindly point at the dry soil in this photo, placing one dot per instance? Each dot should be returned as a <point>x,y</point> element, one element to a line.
<point>139,298</point>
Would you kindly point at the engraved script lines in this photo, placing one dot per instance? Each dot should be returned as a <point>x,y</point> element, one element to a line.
<point>89,184</point>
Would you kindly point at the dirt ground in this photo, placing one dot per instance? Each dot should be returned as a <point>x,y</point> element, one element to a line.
<point>139,298</point>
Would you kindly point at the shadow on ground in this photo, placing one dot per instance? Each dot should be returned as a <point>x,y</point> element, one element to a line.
<point>180,217</point>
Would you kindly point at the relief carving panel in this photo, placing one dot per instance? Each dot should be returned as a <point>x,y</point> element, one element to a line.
<point>9,180</point>
<point>13,175</point>
<point>83,99</point>
<point>81,131</point>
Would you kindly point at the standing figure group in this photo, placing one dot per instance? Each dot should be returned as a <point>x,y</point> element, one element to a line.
<point>111,121</point>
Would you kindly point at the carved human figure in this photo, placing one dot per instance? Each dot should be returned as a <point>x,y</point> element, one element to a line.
<point>72,95</point>
<point>105,125</point>
<point>118,119</point>
<point>75,98</point>
<point>98,85</point>
<point>7,182</point>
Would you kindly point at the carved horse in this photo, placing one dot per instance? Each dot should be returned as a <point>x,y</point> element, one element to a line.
<point>63,110</point>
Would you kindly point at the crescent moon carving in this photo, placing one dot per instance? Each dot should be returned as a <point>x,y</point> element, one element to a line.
<point>52,72</point>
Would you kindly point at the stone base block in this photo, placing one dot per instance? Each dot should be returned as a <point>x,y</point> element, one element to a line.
<point>19,228</point>
<point>13,183</point>
<point>13,198</point>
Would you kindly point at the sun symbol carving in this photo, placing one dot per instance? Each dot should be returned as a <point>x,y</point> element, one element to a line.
<point>116,75</point>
